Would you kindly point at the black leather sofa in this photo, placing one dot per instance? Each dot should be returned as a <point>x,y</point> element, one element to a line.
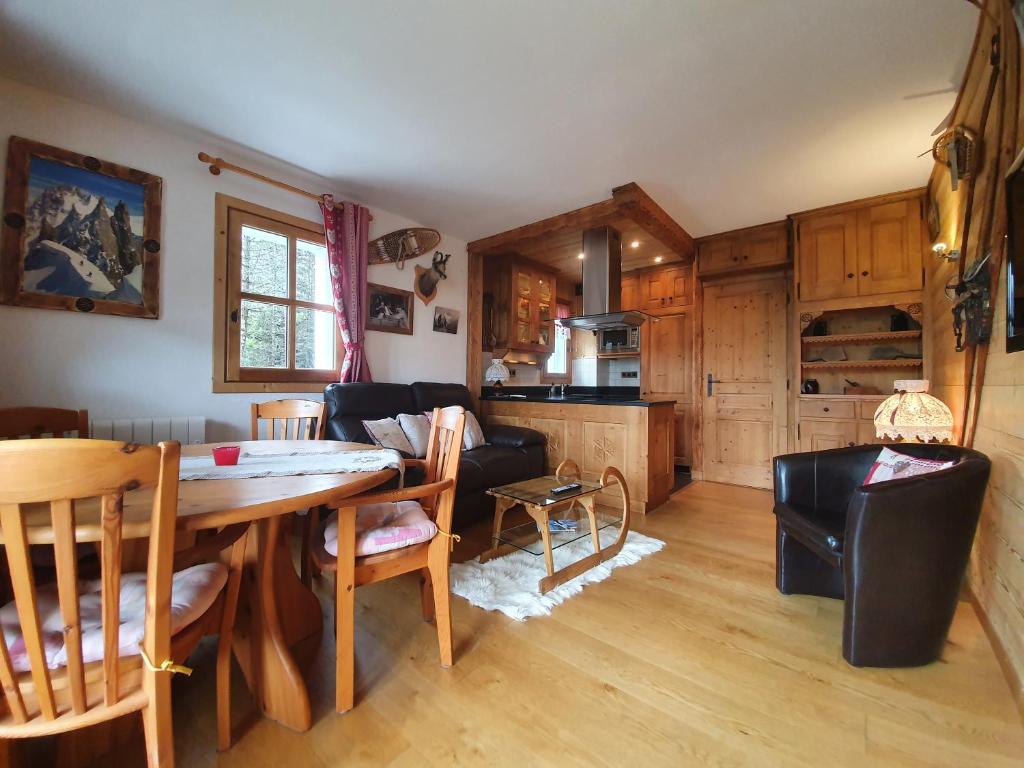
<point>512,453</point>
<point>895,551</point>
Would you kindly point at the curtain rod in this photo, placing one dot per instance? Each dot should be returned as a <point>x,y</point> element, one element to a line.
<point>218,164</point>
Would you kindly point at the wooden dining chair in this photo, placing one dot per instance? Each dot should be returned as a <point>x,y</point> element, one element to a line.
<point>294,419</point>
<point>430,511</point>
<point>288,420</point>
<point>42,422</point>
<point>81,652</point>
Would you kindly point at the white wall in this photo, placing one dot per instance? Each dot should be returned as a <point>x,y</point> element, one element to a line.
<point>126,367</point>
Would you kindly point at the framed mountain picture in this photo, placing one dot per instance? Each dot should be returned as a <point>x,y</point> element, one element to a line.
<point>79,233</point>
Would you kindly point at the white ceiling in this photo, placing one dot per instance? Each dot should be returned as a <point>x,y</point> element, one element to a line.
<point>482,115</point>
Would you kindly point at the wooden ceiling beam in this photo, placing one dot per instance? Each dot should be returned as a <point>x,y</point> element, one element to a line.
<point>628,203</point>
<point>641,208</point>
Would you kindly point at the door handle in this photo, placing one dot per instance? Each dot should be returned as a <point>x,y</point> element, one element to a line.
<point>711,382</point>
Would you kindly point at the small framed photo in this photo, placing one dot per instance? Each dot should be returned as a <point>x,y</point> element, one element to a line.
<point>79,234</point>
<point>446,320</point>
<point>388,309</point>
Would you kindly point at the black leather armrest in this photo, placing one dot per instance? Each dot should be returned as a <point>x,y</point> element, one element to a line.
<point>513,437</point>
<point>794,479</point>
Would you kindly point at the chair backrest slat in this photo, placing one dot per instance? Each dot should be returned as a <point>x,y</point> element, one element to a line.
<point>23,583</point>
<point>40,422</point>
<point>289,420</point>
<point>66,560</point>
<point>447,426</point>
<point>110,570</point>
<point>64,474</point>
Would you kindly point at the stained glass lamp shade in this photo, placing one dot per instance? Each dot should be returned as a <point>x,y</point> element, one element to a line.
<point>912,415</point>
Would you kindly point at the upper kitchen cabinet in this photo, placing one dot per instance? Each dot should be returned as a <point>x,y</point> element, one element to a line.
<point>755,248</point>
<point>663,290</point>
<point>861,249</point>
<point>631,293</point>
<point>523,301</point>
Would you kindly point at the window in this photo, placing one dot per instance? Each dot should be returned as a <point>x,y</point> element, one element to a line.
<point>558,364</point>
<point>276,329</point>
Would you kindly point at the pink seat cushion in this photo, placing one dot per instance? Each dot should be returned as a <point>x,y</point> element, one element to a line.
<point>383,527</point>
<point>193,592</point>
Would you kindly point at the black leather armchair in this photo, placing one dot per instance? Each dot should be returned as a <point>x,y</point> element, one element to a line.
<point>511,453</point>
<point>896,551</point>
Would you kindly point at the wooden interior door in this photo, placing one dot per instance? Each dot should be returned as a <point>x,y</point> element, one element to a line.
<point>745,362</point>
<point>889,248</point>
<point>827,256</point>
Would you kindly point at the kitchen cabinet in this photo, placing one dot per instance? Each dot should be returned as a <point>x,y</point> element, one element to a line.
<point>665,289</point>
<point>667,373</point>
<point>630,292</point>
<point>825,423</point>
<point>742,250</point>
<point>523,301</point>
<point>860,249</point>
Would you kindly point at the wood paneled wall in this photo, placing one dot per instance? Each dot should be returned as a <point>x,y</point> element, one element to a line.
<point>996,576</point>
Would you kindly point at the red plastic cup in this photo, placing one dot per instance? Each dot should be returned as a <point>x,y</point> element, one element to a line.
<point>226,455</point>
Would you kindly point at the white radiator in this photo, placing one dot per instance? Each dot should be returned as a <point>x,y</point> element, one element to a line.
<point>184,429</point>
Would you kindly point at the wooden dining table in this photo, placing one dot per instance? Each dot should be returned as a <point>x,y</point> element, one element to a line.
<point>279,618</point>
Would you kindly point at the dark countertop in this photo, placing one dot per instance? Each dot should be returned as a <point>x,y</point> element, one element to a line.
<point>574,400</point>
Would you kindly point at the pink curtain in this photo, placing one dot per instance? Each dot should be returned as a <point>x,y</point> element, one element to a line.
<point>347,229</point>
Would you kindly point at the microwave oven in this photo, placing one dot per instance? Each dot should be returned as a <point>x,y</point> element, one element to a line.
<point>619,340</point>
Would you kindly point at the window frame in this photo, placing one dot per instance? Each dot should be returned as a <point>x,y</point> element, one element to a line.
<point>228,375</point>
<point>559,378</point>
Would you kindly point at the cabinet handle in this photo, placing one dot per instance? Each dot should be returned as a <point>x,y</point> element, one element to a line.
<point>850,445</point>
<point>849,275</point>
<point>735,258</point>
<point>825,409</point>
<point>864,273</point>
<point>744,257</point>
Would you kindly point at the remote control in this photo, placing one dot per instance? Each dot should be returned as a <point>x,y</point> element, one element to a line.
<point>566,488</point>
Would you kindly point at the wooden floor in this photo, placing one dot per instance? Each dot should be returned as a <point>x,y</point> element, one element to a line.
<point>690,657</point>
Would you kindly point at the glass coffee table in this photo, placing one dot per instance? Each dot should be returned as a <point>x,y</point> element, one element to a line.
<point>558,520</point>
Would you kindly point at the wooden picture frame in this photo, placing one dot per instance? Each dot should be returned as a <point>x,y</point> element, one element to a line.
<point>59,249</point>
<point>389,309</point>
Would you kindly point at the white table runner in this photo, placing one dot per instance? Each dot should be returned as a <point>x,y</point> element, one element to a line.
<point>266,462</point>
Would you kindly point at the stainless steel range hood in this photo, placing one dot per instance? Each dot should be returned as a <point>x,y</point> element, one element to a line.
<point>602,284</point>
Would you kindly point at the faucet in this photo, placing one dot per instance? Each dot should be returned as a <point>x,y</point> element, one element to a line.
<point>553,392</point>
<point>562,389</point>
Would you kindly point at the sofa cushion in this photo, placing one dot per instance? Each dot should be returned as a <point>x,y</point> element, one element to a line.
<point>430,395</point>
<point>388,433</point>
<point>348,405</point>
<point>490,466</point>
<point>473,436</point>
<point>416,427</point>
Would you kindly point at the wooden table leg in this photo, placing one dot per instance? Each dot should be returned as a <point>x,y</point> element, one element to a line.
<point>588,504</point>
<point>501,506</point>
<point>276,613</point>
<point>540,515</point>
<point>344,611</point>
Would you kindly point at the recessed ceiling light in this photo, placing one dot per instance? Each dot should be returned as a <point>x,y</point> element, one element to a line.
<point>635,244</point>
<point>582,255</point>
<point>657,259</point>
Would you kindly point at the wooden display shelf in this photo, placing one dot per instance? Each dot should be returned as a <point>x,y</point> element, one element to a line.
<point>862,364</point>
<point>861,338</point>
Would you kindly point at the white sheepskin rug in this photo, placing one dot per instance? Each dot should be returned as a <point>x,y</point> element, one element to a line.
<point>509,584</point>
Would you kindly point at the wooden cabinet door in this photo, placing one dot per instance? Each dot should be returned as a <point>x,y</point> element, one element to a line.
<point>653,291</point>
<point>762,248</point>
<point>889,248</point>
<point>825,435</point>
<point>669,362</point>
<point>745,356</point>
<point>543,311</point>
<point>523,310</point>
<point>678,283</point>
<point>630,293</point>
<point>866,434</point>
<point>716,255</point>
<point>827,256</point>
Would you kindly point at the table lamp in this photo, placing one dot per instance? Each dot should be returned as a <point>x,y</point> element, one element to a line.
<point>912,415</point>
<point>497,372</point>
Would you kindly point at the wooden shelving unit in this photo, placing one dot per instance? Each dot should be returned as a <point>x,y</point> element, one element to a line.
<point>860,338</point>
<point>862,364</point>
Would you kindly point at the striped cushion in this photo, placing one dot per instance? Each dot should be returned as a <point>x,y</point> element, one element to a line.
<point>193,592</point>
<point>383,527</point>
